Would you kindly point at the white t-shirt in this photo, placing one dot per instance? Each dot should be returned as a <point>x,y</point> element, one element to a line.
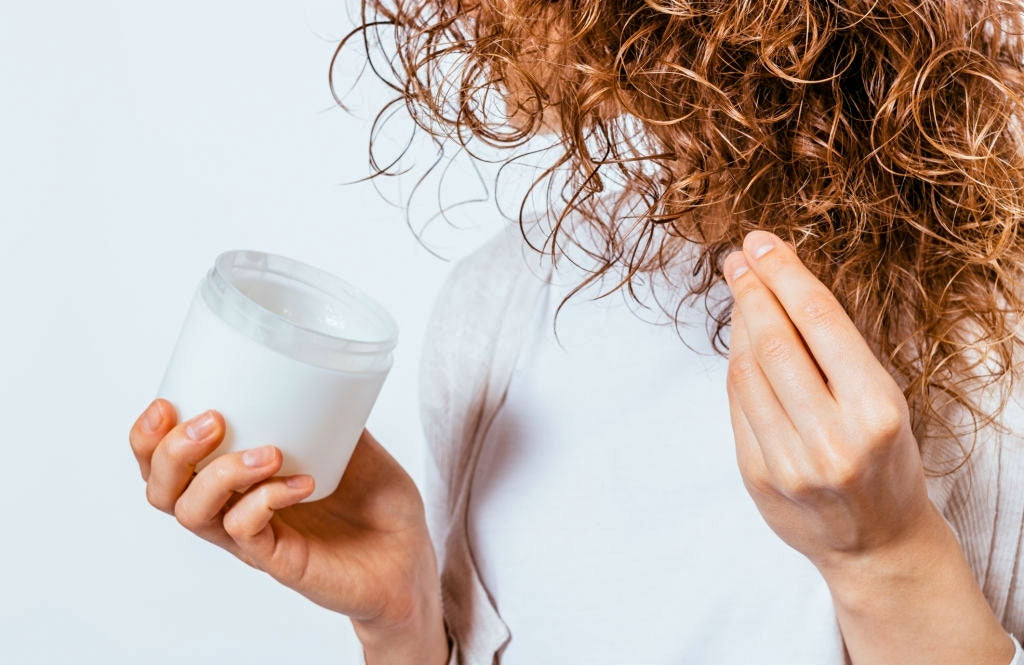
<point>608,517</point>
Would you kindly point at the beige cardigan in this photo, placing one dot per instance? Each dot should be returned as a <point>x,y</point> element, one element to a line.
<point>470,349</point>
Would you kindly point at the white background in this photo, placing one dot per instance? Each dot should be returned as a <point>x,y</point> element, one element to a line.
<point>137,141</point>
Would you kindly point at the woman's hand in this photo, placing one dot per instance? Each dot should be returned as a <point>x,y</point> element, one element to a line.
<point>363,551</point>
<point>824,445</point>
<point>822,431</point>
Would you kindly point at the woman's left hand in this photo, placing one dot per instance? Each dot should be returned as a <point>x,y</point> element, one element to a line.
<point>823,437</point>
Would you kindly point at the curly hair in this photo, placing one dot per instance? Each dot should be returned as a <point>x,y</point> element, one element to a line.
<point>880,139</point>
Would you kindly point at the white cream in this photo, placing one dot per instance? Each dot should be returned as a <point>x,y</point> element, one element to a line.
<point>290,355</point>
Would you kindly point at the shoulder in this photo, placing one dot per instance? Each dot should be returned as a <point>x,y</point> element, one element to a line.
<point>468,297</point>
<point>476,296</point>
<point>481,273</point>
<point>462,331</point>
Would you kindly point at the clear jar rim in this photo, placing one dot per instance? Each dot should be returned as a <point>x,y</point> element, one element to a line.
<point>277,330</point>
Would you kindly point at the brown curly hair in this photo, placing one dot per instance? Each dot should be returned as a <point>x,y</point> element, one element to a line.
<point>881,139</point>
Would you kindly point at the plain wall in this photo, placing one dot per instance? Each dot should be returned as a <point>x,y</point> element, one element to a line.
<point>137,141</point>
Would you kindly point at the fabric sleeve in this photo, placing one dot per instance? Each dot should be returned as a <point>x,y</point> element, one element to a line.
<point>468,344</point>
<point>983,500</point>
<point>1018,655</point>
<point>453,646</point>
<point>434,499</point>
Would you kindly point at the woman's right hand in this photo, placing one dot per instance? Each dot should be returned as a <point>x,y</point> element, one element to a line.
<point>363,551</point>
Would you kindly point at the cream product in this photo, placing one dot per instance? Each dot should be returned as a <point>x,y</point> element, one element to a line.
<point>289,354</point>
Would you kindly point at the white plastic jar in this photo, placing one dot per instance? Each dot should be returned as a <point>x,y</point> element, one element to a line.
<point>289,354</point>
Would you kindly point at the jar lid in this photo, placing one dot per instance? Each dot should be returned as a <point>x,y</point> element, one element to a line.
<point>301,311</point>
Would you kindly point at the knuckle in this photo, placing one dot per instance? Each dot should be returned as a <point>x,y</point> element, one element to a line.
<point>186,515</point>
<point>843,472</point>
<point>883,421</point>
<point>225,472</point>
<point>137,440</point>
<point>742,369</point>
<point>884,432</point>
<point>173,447</point>
<point>222,471</point>
<point>743,289</point>
<point>772,346</point>
<point>264,495</point>
<point>233,523</point>
<point>889,421</point>
<point>756,480</point>
<point>819,309</point>
<point>797,485</point>
<point>154,498</point>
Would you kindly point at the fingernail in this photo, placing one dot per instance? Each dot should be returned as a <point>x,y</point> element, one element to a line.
<point>297,482</point>
<point>200,427</point>
<point>258,456</point>
<point>761,248</point>
<point>152,417</point>
<point>738,265</point>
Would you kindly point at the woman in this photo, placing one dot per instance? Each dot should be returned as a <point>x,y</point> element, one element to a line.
<point>841,185</point>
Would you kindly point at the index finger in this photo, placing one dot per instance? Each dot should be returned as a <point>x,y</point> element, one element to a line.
<point>837,345</point>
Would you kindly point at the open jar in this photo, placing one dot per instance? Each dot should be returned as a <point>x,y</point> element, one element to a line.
<point>289,354</point>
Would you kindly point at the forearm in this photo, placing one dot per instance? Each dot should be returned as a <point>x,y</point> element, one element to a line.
<point>916,604</point>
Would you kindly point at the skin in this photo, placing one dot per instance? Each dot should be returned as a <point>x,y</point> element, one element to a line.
<point>363,551</point>
<point>825,449</point>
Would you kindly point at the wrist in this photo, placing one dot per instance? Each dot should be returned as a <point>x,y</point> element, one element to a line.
<point>927,551</point>
<point>915,600</point>
<point>925,541</point>
<point>421,639</point>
